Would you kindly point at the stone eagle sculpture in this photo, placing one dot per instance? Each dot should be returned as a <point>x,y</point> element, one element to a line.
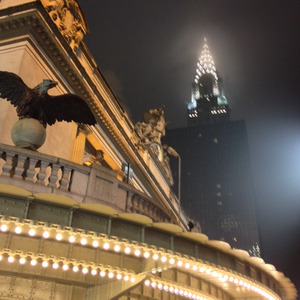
<point>37,104</point>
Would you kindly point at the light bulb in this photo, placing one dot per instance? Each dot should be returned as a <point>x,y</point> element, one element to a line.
<point>18,230</point>
<point>22,261</point>
<point>59,236</point>
<point>46,234</point>
<point>83,241</point>
<point>55,266</point>
<point>72,239</point>
<point>31,232</point>
<point>45,264</point>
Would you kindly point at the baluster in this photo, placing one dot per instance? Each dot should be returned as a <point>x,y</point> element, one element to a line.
<point>66,177</point>
<point>59,176</point>
<point>48,173</point>
<point>2,162</point>
<point>36,170</point>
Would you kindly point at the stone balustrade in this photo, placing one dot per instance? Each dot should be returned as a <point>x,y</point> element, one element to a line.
<point>40,173</point>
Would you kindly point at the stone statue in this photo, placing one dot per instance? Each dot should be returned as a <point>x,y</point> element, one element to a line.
<point>152,128</point>
<point>150,132</point>
<point>90,159</point>
<point>37,105</point>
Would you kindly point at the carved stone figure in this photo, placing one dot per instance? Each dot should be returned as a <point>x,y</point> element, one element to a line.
<point>68,17</point>
<point>150,132</point>
<point>90,159</point>
<point>36,108</point>
<point>36,103</point>
<point>152,128</point>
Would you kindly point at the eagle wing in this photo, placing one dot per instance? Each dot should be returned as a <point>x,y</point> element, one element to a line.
<point>13,88</point>
<point>68,108</point>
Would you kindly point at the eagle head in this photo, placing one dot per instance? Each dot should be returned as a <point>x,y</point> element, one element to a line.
<point>45,85</point>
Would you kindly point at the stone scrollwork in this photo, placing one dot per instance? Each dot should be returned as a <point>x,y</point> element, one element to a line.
<point>69,19</point>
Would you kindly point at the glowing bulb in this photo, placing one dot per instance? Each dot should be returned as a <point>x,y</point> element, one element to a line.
<point>106,246</point>
<point>166,288</point>
<point>155,256</point>
<point>160,286</point>
<point>65,267</point>
<point>18,230</point>
<point>3,227</point>
<point>147,282</point>
<point>0,257</point>
<point>55,266</point>
<point>171,289</point>
<point>132,279</point>
<point>137,252</point>
<point>117,248</point>
<point>187,265</point>
<point>119,276</point>
<point>102,273</point>
<point>172,261</point>
<point>95,244</point>
<point>146,254</point>
<point>11,259</point>
<point>83,241</point>
<point>31,232</point>
<point>180,263</point>
<point>94,272</point>
<point>163,259</point>
<point>126,278</point>
<point>127,250</point>
<point>75,269</point>
<point>85,270</point>
<point>110,275</point>
<point>22,261</point>
<point>153,284</point>
<point>46,234</point>
<point>33,262</point>
<point>45,264</point>
<point>201,270</point>
<point>72,239</point>
<point>195,268</point>
<point>59,236</point>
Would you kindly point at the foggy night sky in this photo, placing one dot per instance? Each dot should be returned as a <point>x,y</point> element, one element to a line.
<point>148,49</point>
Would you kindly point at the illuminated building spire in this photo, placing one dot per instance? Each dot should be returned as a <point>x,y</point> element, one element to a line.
<point>206,64</point>
<point>208,103</point>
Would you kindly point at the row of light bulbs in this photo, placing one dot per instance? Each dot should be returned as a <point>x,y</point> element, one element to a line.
<point>169,288</point>
<point>65,266</point>
<point>219,111</point>
<point>138,252</point>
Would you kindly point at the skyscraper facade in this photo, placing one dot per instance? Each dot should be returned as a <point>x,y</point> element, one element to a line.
<point>216,179</point>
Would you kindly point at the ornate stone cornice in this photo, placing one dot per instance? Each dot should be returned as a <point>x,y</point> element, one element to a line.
<point>32,20</point>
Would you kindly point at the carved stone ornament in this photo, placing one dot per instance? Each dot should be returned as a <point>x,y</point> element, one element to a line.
<point>150,132</point>
<point>69,19</point>
<point>152,128</point>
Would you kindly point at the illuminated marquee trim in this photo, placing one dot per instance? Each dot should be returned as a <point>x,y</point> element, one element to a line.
<point>167,259</point>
